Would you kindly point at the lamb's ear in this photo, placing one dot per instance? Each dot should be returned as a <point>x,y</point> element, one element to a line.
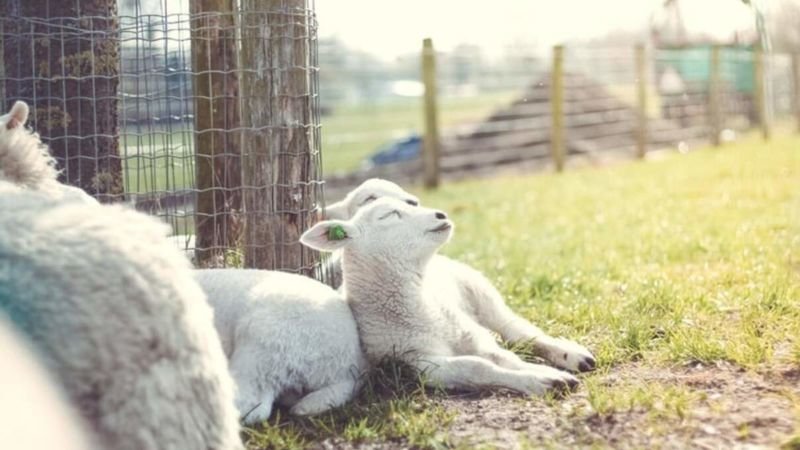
<point>18,115</point>
<point>329,235</point>
<point>337,211</point>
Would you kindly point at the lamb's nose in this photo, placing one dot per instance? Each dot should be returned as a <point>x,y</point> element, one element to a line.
<point>441,215</point>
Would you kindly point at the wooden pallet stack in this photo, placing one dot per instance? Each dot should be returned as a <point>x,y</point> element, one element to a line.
<point>518,135</point>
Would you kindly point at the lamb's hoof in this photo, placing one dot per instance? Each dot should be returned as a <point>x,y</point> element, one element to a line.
<point>571,356</point>
<point>308,409</point>
<point>258,414</point>
<point>587,365</point>
<point>563,385</point>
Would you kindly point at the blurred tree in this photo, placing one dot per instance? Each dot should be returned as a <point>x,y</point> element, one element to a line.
<point>784,27</point>
<point>62,57</point>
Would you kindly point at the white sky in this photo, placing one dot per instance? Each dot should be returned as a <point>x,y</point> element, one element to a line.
<point>388,28</point>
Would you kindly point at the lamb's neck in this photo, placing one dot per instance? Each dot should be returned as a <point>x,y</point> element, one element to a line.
<point>382,285</point>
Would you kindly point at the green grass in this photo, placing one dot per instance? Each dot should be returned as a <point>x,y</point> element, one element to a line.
<point>656,260</point>
<point>691,258</point>
<point>159,161</point>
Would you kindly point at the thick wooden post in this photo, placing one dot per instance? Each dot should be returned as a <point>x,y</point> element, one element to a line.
<point>278,120</point>
<point>216,119</point>
<point>715,95</point>
<point>759,91</point>
<point>796,87</point>
<point>430,147</point>
<point>641,94</point>
<point>557,108</point>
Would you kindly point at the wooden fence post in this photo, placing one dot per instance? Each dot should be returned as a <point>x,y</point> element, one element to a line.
<point>641,84</point>
<point>557,108</point>
<point>216,112</point>
<point>430,146</point>
<point>277,113</point>
<point>715,95</point>
<point>759,91</point>
<point>796,87</point>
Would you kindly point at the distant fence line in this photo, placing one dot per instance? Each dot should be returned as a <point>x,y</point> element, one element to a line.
<point>593,102</point>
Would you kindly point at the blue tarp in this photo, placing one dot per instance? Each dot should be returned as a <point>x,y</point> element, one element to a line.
<point>400,150</point>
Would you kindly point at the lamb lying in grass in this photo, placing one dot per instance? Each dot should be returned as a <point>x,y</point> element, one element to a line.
<point>403,309</point>
<point>288,338</point>
<point>113,311</point>
<point>478,298</point>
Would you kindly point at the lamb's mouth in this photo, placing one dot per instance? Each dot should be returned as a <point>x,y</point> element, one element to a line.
<point>443,227</point>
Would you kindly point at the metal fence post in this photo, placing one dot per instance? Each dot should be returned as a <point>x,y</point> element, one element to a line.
<point>557,108</point>
<point>430,147</point>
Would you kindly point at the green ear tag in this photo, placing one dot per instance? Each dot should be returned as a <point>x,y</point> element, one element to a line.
<point>336,233</point>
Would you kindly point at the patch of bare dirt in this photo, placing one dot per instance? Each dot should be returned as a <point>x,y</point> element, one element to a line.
<point>733,408</point>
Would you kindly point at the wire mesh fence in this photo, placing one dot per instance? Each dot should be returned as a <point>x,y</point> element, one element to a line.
<point>207,113</point>
<point>203,113</point>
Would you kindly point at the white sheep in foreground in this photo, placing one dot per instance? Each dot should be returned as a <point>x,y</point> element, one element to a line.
<point>113,311</point>
<point>288,338</point>
<point>478,298</point>
<point>31,402</point>
<point>403,309</point>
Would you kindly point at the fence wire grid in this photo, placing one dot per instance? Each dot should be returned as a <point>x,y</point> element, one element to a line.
<point>206,119</point>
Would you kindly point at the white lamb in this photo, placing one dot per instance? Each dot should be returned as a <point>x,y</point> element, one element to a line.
<point>478,298</point>
<point>403,309</point>
<point>288,338</point>
<point>111,308</point>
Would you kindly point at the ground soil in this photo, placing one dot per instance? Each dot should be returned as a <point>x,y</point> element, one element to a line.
<point>732,408</point>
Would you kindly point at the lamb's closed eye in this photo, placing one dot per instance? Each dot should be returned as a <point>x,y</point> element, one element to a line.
<point>389,214</point>
<point>371,198</point>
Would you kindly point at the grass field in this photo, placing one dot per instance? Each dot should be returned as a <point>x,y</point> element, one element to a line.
<point>682,274</point>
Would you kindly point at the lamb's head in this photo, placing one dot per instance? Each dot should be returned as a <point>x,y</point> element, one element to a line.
<point>24,160</point>
<point>386,229</point>
<point>366,193</point>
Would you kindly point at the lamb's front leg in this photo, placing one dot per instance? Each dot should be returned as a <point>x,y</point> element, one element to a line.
<point>510,360</point>
<point>491,311</point>
<point>473,372</point>
<point>564,353</point>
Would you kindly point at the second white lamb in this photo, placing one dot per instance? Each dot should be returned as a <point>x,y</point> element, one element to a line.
<point>288,338</point>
